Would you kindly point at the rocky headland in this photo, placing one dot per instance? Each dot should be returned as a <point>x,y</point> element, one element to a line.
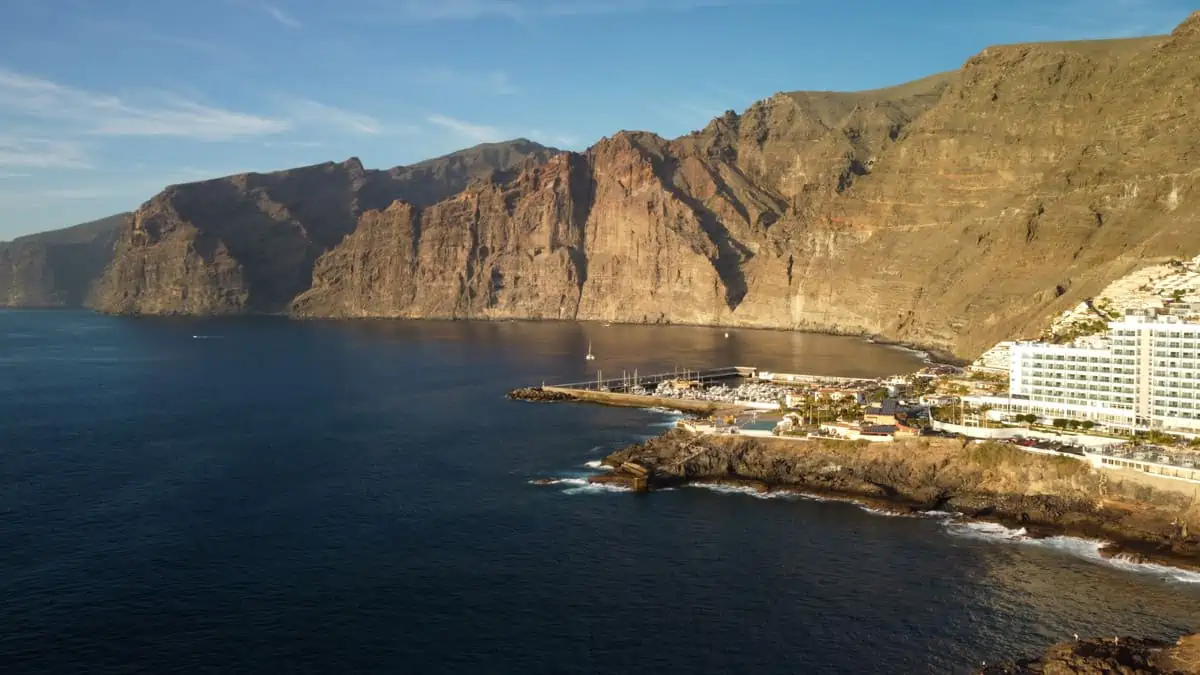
<point>1099,656</point>
<point>1044,495</point>
<point>950,212</point>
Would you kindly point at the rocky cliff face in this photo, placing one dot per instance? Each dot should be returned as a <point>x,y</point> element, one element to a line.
<point>247,243</point>
<point>58,268</point>
<point>951,212</point>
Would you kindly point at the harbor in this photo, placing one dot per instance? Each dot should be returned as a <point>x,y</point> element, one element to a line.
<point>728,390</point>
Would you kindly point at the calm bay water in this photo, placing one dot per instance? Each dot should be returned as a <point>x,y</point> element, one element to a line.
<point>270,496</point>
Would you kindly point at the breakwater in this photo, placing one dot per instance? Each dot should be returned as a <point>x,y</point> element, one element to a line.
<point>630,390</point>
<point>551,394</point>
<point>632,381</point>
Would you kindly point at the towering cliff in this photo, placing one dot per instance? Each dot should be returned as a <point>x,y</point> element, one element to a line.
<point>952,212</point>
<point>247,243</point>
<point>57,268</point>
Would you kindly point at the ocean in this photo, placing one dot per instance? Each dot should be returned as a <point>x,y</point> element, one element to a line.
<point>269,496</point>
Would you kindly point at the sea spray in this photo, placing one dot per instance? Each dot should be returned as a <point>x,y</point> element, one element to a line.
<point>1086,549</point>
<point>576,486</point>
<point>754,492</point>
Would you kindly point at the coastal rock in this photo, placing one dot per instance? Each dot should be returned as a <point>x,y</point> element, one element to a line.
<point>992,482</point>
<point>1132,656</point>
<point>950,212</point>
<point>538,394</point>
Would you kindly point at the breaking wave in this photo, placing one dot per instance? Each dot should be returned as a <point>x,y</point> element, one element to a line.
<point>1087,549</point>
<point>670,412</point>
<point>672,417</point>
<point>577,486</point>
<point>757,494</point>
<point>596,465</point>
<point>921,354</point>
<point>884,512</point>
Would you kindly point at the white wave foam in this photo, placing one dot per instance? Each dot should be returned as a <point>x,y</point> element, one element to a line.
<point>1086,549</point>
<point>581,486</point>
<point>752,492</point>
<point>559,481</point>
<point>596,465</point>
<point>921,354</point>
<point>1163,571</point>
<point>206,337</point>
<point>986,531</point>
<point>884,512</point>
<point>670,412</point>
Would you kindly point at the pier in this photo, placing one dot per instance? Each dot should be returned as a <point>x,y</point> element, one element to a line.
<point>630,389</point>
<point>634,389</point>
<point>635,380</point>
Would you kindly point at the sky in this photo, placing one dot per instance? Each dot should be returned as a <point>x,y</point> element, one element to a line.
<point>105,102</point>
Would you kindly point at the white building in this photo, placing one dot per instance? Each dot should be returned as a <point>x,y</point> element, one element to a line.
<point>1144,375</point>
<point>994,360</point>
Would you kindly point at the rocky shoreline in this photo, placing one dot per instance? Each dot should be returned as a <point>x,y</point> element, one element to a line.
<point>1110,655</point>
<point>1045,496</point>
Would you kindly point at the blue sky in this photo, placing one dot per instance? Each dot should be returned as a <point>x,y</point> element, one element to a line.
<point>104,102</point>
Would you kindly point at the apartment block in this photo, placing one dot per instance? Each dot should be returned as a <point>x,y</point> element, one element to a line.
<point>1144,374</point>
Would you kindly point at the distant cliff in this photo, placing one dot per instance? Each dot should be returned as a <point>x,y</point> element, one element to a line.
<point>951,212</point>
<point>57,268</point>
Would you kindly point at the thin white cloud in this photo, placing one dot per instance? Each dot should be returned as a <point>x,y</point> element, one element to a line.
<point>1073,20</point>
<point>281,16</point>
<point>494,82</point>
<point>478,133</point>
<point>10,174</point>
<point>133,188</point>
<point>293,144</point>
<point>522,10</point>
<point>53,194</point>
<point>688,114</point>
<point>313,112</point>
<point>41,153</point>
<point>127,31</point>
<point>561,141</point>
<point>105,114</point>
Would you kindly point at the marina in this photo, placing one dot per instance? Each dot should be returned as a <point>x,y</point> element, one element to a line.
<point>724,390</point>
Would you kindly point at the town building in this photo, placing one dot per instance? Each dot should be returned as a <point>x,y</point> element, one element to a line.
<point>1143,375</point>
<point>995,360</point>
<point>888,412</point>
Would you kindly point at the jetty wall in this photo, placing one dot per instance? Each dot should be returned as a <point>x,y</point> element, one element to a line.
<point>636,401</point>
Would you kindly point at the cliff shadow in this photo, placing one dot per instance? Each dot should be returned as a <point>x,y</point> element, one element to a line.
<point>731,253</point>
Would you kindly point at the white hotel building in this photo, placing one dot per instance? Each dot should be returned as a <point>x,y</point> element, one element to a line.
<point>1144,375</point>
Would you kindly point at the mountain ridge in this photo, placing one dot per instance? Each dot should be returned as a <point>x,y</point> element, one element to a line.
<point>949,212</point>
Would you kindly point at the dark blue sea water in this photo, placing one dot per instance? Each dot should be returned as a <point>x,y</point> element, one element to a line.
<point>276,497</point>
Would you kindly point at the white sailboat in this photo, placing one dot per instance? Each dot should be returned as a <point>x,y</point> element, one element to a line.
<point>590,356</point>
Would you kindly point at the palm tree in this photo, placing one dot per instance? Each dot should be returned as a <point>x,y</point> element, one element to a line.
<point>983,411</point>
